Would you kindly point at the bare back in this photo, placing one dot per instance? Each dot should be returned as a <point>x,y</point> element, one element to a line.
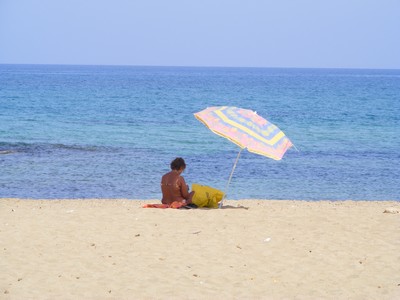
<point>174,188</point>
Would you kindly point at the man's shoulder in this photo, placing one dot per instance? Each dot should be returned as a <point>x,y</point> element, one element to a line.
<point>165,176</point>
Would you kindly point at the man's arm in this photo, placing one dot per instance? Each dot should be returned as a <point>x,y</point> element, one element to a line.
<point>184,188</point>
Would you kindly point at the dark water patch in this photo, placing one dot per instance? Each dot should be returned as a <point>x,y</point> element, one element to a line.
<point>79,147</point>
<point>2,152</point>
<point>48,147</point>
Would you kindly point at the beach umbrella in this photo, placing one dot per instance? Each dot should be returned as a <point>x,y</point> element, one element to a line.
<point>247,130</point>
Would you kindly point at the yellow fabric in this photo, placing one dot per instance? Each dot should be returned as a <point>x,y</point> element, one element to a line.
<point>206,196</point>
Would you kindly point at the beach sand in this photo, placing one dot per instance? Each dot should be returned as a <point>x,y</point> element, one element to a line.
<point>250,249</point>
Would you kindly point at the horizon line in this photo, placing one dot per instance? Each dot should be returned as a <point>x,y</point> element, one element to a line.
<point>196,66</point>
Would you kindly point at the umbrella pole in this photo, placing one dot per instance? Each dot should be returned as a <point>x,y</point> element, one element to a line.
<point>230,178</point>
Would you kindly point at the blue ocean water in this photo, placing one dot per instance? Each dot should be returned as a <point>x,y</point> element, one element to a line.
<point>111,131</point>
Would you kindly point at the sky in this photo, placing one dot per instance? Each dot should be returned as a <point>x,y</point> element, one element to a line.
<point>226,33</point>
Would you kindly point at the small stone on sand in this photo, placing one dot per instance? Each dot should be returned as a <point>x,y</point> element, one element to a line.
<point>391,210</point>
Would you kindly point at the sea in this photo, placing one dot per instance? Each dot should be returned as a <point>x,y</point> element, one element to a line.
<point>78,132</point>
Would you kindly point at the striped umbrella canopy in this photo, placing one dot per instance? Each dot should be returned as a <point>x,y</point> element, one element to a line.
<point>247,130</point>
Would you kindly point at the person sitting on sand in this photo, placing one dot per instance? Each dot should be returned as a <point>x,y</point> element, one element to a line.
<point>173,185</point>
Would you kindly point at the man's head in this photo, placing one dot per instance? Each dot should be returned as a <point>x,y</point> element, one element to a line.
<point>178,164</point>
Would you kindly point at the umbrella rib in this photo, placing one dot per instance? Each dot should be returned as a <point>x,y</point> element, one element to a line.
<point>219,133</point>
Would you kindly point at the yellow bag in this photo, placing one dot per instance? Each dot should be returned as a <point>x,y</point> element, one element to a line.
<point>206,196</point>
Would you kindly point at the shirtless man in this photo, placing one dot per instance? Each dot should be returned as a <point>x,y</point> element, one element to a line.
<point>173,185</point>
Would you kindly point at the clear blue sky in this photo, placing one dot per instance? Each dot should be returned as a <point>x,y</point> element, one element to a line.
<point>248,33</point>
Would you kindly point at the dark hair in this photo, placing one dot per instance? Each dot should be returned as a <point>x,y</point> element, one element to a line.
<point>178,163</point>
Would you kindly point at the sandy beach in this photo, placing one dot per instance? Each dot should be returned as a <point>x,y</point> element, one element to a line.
<point>250,249</point>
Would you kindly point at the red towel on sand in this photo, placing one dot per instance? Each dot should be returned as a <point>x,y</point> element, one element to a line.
<point>175,204</point>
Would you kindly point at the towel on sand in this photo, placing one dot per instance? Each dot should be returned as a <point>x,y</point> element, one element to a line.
<point>175,204</point>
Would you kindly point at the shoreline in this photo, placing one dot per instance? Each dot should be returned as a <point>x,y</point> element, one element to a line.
<point>275,249</point>
<point>229,200</point>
